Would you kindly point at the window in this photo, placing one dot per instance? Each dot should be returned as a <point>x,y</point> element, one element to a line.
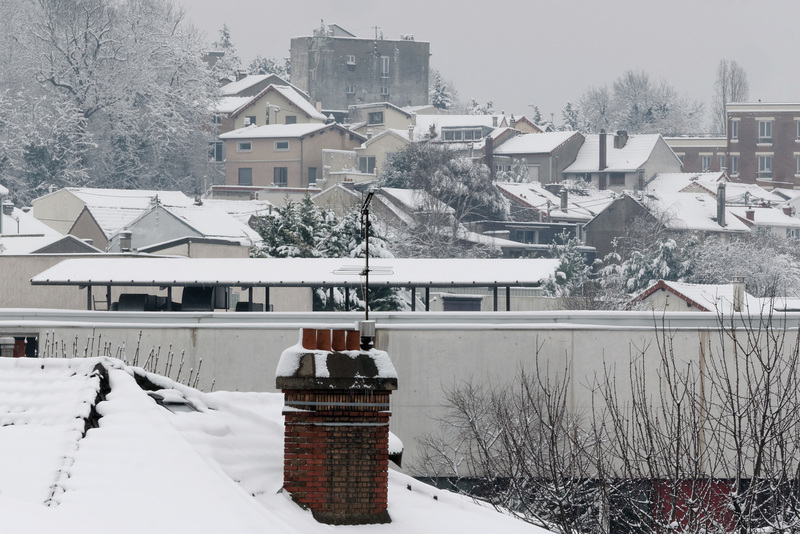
<point>366,164</point>
<point>705,163</point>
<point>384,91</point>
<point>244,146</point>
<point>722,162</point>
<point>734,164</point>
<point>281,146</point>
<point>734,130</point>
<point>375,118</point>
<point>249,120</point>
<point>797,164</point>
<point>765,166</point>
<point>764,131</point>
<point>215,151</point>
<point>312,176</point>
<point>216,119</point>
<point>281,176</point>
<point>616,178</point>
<point>245,176</point>
<point>798,130</point>
<point>351,60</point>
<point>291,119</point>
<point>351,89</point>
<point>384,66</point>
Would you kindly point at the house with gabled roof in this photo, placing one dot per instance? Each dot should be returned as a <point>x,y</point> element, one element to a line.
<point>161,224</point>
<point>286,106</point>
<point>724,299</point>
<point>283,157</point>
<point>676,213</point>
<point>622,162</point>
<point>544,155</point>
<point>377,117</point>
<point>252,84</point>
<point>60,209</point>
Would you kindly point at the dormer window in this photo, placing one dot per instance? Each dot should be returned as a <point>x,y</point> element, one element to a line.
<point>375,117</point>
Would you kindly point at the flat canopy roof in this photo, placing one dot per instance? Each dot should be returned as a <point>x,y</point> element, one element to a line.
<point>297,272</point>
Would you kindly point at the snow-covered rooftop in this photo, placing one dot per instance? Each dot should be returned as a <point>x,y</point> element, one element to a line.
<point>424,123</point>
<point>298,271</point>
<point>112,220</point>
<point>632,156</point>
<point>195,462</point>
<point>229,104</point>
<point>274,131</point>
<point>707,297</point>
<point>675,182</point>
<point>536,196</point>
<point>210,221</point>
<point>691,212</point>
<point>765,216</point>
<point>128,198</point>
<point>241,210</point>
<point>24,223</point>
<point>234,88</point>
<point>534,143</point>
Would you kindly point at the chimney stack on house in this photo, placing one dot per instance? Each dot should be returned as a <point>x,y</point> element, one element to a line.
<point>125,240</point>
<point>621,139</point>
<point>721,204</point>
<point>241,74</point>
<point>603,164</point>
<point>788,210</point>
<point>488,155</point>
<point>494,121</point>
<point>512,122</point>
<point>564,199</point>
<point>369,133</point>
<point>750,214</point>
<point>738,293</point>
<point>336,434</point>
<point>410,132</point>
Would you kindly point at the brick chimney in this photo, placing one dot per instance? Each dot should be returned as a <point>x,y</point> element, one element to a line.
<point>336,435</point>
<point>621,139</point>
<point>738,293</point>
<point>788,210</point>
<point>750,214</point>
<point>603,163</point>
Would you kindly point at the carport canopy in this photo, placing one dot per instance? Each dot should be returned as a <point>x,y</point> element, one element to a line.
<point>409,273</point>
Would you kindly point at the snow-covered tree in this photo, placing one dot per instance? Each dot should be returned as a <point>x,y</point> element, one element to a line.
<point>476,108</point>
<point>574,273</point>
<point>536,118</point>
<point>731,85</point>
<point>638,104</point>
<point>517,174</point>
<point>440,95</point>
<point>230,63</point>
<point>570,117</point>
<point>269,65</point>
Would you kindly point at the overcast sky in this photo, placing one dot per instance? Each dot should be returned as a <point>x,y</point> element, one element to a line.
<point>545,52</point>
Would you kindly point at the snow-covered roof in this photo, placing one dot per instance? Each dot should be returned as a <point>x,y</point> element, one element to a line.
<point>234,88</point>
<point>675,182</point>
<point>691,212</point>
<point>18,245</point>
<point>632,156</point>
<point>297,271</point>
<point>765,216</point>
<point>275,131</point>
<point>24,223</point>
<point>241,210</point>
<point>3,191</point>
<point>210,221</point>
<point>112,220</point>
<point>128,198</point>
<point>716,298</point>
<point>416,200</point>
<point>229,104</point>
<point>191,462</point>
<point>535,195</point>
<point>295,98</point>
<point>534,143</point>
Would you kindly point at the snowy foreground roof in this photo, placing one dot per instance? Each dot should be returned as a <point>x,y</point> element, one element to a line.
<point>92,445</point>
<point>147,271</point>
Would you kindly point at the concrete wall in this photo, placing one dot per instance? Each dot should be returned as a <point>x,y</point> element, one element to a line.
<point>58,210</point>
<point>240,351</point>
<point>320,67</point>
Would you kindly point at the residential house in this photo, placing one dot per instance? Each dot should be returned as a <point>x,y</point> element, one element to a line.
<point>622,162</point>
<point>524,124</point>
<point>21,233</point>
<point>769,220</point>
<point>61,209</point>
<point>339,70</point>
<point>700,153</point>
<point>676,213</point>
<point>545,155</point>
<point>364,162</point>
<point>253,84</point>
<point>379,116</point>
<point>284,158</point>
<point>167,224</point>
<point>725,299</point>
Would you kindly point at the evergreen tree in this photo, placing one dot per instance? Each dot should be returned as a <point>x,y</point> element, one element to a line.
<point>570,117</point>
<point>269,65</point>
<point>440,95</point>
<point>230,63</point>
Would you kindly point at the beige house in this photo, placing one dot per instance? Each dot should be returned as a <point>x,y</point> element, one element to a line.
<point>378,117</point>
<point>363,163</point>
<point>282,155</point>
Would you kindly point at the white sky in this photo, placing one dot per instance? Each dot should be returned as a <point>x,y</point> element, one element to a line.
<point>546,52</point>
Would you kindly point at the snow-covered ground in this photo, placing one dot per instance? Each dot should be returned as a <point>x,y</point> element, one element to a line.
<point>191,463</point>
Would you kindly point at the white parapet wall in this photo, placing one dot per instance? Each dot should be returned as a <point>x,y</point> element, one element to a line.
<point>430,351</point>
